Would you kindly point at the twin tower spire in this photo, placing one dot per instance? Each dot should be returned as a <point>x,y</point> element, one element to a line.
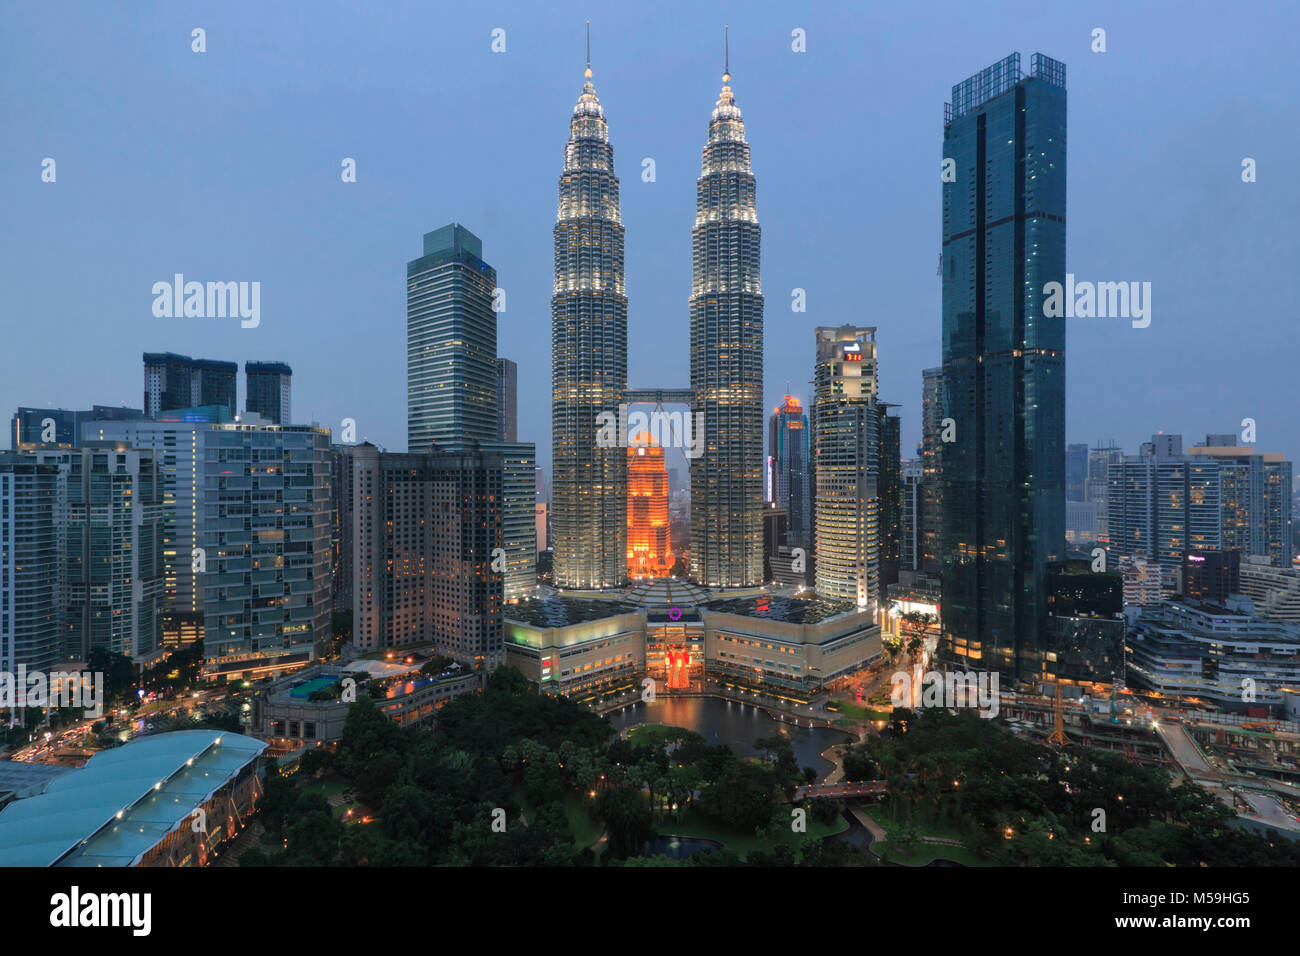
<point>589,358</point>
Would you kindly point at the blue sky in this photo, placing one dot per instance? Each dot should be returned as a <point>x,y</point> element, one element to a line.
<point>225,166</point>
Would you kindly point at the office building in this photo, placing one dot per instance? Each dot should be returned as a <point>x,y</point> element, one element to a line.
<point>268,391</point>
<point>910,507</point>
<point>1086,625</point>
<point>787,468</point>
<point>1221,656</point>
<point>846,450</point>
<point>588,358</point>
<point>265,534</point>
<point>451,342</point>
<point>1076,471</point>
<point>1096,487</point>
<point>1003,477</point>
<point>507,400</point>
<point>727,358</point>
<point>889,486</point>
<point>1212,576</point>
<point>59,426</point>
<point>929,521</point>
<point>776,531</point>
<point>518,511</point>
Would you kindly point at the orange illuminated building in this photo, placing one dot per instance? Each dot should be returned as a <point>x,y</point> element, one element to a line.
<point>648,554</point>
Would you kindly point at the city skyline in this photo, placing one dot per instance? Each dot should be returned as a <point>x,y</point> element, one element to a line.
<point>326,330</point>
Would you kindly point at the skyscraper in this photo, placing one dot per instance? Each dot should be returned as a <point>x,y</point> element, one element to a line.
<point>846,452</point>
<point>1076,471</point>
<point>267,391</point>
<point>1003,477</point>
<point>108,516</point>
<point>890,490</point>
<point>174,381</point>
<point>29,582</point>
<point>507,400</point>
<point>727,359</point>
<point>265,535</point>
<point>588,357</point>
<point>787,468</point>
<point>426,528</point>
<point>930,519</point>
<point>451,341</point>
<point>648,549</point>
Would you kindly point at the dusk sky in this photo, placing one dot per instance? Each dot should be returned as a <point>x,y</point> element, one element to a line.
<point>225,166</point>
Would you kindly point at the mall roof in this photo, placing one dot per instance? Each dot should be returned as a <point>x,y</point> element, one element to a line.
<point>791,610</point>
<point>123,801</point>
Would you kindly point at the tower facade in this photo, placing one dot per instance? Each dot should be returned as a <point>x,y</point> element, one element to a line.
<point>451,342</point>
<point>787,469</point>
<point>727,359</point>
<point>846,452</point>
<point>1003,476</point>
<point>588,358</point>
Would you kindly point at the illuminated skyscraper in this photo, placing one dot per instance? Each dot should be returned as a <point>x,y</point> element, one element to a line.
<point>1003,476</point>
<point>588,357</point>
<point>727,359</point>
<point>846,455</point>
<point>787,469</point>
<point>648,554</point>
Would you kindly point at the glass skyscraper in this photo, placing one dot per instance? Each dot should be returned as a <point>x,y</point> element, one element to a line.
<point>1003,477</point>
<point>451,341</point>
<point>588,358</point>
<point>787,469</point>
<point>727,359</point>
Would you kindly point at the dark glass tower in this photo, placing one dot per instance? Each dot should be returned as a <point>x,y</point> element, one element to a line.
<point>727,360</point>
<point>451,342</point>
<point>787,469</point>
<point>1003,478</point>
<point>267,386</point>
<point>588,358</point>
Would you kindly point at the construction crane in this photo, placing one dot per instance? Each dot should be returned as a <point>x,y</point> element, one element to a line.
<point>1057,736</point>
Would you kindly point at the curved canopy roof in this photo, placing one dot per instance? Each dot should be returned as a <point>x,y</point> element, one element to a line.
<point>123,801</point>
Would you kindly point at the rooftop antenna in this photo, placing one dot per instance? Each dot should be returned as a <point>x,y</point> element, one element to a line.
<point>726,53</point>
<point>588,73</point>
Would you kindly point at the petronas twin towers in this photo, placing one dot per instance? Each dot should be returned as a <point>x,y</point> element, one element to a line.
<point>589,359</point>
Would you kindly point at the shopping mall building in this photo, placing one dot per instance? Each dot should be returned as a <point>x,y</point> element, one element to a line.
<point>599,643</point>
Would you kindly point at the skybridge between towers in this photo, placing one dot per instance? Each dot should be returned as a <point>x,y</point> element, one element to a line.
<point>658,396</point>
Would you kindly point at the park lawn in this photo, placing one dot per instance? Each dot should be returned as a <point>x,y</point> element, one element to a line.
<point>857,712</point>
<point>329,787</point>
<point>923,853</point>
<point>642,735</point>
<point>926,853</point>
<point>584,828</point>
<point>695,825</point>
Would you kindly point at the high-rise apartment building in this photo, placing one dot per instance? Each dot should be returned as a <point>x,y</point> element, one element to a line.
<point>727,359</point>
<point>518,512</point>
<point>29,542</point>
<point>507,400</point>
<point>451,342</point>
<point>910,507</point>
<point>179,440</point>
<point>174,381</point>
<point>1003,475</point>
<point>268,386</point>
<point>265,535</point>
<point>787,469</point>
<point>426,529</point>
<point>649,553</point>
<point>588,358</point>
<point>1076,471</point>
<point>108,520</point>
<point>846,456</point>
